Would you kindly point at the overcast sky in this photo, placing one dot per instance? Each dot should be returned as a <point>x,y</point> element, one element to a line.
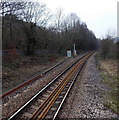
<point>99,15</point>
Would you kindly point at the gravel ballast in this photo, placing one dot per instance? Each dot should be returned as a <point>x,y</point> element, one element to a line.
<point>15,101</point>
<point>85,99</point>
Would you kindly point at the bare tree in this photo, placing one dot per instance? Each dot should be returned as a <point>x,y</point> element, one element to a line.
<point>35,12</point>
<point>10,7</point>
<point>9,10</point>
<point>58,19</point>
<point>108,45</point>
<point>73,18</point>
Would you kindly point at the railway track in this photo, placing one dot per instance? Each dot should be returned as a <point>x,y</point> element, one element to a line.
<point>47,102</point>
<point>30,81</point>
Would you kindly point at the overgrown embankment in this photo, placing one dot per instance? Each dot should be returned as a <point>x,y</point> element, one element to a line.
<point>17,70</point>
<point>108,71</point>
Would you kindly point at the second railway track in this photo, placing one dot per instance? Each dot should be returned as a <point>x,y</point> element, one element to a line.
<point>30,81</point>
<point>47,102</point>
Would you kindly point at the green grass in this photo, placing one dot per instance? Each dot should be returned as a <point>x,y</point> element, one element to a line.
<point>112,96</point>
<point>113,102</point>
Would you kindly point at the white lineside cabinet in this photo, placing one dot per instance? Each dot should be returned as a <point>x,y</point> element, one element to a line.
<point>69,53</point>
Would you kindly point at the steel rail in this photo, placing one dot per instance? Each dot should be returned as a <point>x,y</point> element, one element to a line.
<point>47,104</point>
<point>51,95</point>
<point>31,80</point>
<point>74,79</point>
<point>44,88</point>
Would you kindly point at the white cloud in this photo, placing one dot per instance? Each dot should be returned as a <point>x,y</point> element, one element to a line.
<point>99,15</point>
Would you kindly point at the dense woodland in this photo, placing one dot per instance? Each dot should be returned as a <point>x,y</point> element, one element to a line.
<point>109,48</point>
<point>31,28</point>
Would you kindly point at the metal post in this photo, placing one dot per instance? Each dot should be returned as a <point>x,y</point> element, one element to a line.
<point>74,50</point>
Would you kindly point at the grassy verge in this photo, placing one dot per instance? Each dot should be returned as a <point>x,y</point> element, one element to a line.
<point>18,70</point>
<point>108,71</point>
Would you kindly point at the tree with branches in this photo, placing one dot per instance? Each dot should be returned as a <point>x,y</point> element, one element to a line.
<point>34,14</point>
